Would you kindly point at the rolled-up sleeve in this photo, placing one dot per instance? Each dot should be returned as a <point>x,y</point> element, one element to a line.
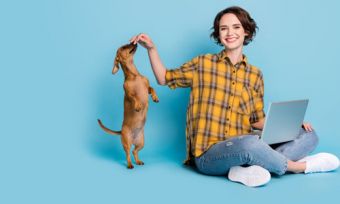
<point>182,76</point>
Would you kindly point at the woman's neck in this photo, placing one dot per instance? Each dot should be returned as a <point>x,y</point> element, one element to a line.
<point>235,56</point>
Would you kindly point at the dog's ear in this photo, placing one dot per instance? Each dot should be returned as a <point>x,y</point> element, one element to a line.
<point>115,65</point>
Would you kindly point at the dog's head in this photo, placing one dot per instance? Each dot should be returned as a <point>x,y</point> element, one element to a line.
<point>124,55</point>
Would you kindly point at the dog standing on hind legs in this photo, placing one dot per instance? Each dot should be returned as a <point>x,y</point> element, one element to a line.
<point>137,89</point>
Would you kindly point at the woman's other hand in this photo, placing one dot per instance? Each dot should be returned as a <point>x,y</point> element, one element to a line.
<point>144,40</point>
<point>307,127</point>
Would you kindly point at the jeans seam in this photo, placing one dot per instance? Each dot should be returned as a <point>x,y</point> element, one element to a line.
<point>285,167</point>
<point>216,158</point>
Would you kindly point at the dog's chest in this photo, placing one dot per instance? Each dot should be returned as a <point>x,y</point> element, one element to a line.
<point>139,88</point>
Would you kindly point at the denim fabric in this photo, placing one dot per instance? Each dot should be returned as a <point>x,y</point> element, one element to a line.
<point>250,150</point>
<point>299,148</point>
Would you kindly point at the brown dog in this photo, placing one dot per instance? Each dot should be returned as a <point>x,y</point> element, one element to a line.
<point>136,89</point>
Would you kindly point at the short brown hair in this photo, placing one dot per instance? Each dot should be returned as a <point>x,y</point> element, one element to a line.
<point>248,24</point>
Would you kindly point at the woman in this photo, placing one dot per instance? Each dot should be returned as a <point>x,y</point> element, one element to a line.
<point>226,105</point>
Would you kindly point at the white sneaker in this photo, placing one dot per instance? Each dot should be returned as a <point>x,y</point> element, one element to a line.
<point>251,176</point>
<point>321,162</point>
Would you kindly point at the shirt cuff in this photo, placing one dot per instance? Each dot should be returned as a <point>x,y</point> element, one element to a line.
<point>169,81</point>
<point>257,116</point>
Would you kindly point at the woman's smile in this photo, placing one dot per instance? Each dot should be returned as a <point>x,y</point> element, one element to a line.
<point>231,39</point>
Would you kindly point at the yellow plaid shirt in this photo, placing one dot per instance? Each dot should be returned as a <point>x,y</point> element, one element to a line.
<point>224,99</point>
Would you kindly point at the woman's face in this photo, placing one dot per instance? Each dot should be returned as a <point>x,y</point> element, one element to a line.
<point>231,32</point>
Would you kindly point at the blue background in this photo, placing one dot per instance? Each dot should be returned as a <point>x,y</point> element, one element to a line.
<point>55,81</point>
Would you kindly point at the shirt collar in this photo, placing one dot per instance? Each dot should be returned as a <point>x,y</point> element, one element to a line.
<point>222,56</point>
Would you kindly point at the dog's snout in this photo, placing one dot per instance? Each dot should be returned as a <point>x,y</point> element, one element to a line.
<point>129,48</point>
<point>134,48</point>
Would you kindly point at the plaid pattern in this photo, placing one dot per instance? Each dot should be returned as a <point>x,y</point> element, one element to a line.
<point>224,99</point>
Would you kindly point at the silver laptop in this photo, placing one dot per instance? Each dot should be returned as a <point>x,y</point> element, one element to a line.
<point>283,121</point>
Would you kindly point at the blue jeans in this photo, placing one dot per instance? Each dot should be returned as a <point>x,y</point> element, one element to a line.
<point>250,150</point>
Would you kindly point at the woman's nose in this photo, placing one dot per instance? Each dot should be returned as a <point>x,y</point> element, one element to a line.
<point>229,31</point>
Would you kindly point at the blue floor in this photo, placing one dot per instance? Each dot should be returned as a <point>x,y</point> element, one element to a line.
<point>166,180</point>
<point>67,173</point>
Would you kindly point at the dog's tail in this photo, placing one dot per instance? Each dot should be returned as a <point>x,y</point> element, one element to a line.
<point>108,130</point>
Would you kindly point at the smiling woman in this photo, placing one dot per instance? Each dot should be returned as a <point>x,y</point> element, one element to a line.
<point>240,19</point>
<point>222,114</point>
<point>231,33</point>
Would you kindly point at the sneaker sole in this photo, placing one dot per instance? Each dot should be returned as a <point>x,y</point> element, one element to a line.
<point>252,176</point>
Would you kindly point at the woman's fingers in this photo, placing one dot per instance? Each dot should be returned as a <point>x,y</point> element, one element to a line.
<point>132,40</point>
<point>135,39</point>
<point>307,127</point>
<point>142,39</point>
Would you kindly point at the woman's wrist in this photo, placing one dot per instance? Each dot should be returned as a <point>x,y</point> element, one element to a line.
<point>152,48</point>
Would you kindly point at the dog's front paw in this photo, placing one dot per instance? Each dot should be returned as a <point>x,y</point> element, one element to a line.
<point>155,99</point>
<point>138,107</point>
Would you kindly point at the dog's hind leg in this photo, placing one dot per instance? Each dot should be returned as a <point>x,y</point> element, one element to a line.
<point>127,146</point>
<point>138,146</point>
<point>135,154</point>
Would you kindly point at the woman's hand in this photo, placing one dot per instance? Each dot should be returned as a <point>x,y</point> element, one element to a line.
<point>157,66</point>
<point>144,40</point>
<point>259,124</point>
<point>307,127</point>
